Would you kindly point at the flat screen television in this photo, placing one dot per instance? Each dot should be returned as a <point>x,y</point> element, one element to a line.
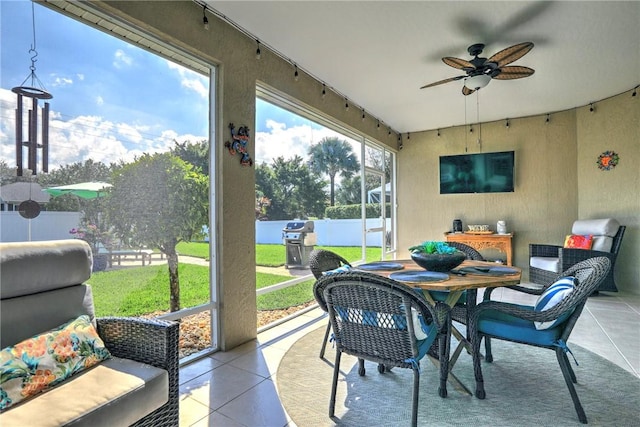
<point>477,173</point>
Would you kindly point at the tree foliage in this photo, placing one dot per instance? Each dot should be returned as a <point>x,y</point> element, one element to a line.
<point>332,156</point>
<point>348,193</point>
<point>195,153</point>
<point>158,201</point>
<point>294,190</point>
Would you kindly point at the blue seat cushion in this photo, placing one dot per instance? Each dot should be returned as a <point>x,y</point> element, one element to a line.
<point>503,325</point>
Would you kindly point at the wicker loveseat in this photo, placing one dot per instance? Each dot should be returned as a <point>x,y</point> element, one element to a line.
<point>43,287</point>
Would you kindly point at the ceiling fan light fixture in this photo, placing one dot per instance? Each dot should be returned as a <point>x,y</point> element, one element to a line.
<point>477,82</point>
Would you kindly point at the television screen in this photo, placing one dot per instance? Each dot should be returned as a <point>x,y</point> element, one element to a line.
<point>477,173</point>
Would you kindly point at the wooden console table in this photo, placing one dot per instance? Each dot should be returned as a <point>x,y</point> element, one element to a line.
<point>502,242</point>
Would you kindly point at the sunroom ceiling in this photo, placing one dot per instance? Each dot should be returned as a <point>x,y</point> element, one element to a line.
<point>379,53</point>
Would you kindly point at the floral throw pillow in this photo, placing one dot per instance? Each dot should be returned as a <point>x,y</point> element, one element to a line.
<point>39,363</point>
<point>578,241</point>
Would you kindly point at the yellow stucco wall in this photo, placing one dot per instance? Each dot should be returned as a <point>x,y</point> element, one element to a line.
<point>545,156</point>
<point>614,125</point>
<point>552,187</point>
<point>557,180</point>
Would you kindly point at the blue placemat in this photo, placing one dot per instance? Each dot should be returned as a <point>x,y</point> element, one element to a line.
<point>486,271</point>
<point>417,276</point>
<point>380,266</point>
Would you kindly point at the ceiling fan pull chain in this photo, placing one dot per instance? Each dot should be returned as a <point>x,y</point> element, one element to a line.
<point>478,117</point>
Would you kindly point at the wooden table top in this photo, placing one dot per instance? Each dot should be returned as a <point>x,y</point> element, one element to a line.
<point>456,282</point>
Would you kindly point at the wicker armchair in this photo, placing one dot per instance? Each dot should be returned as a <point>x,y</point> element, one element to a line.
<point>512,322</point>
<point>151,341</point>
<point>320,261</point>
<point>547,261</point>
<point>386,322</point>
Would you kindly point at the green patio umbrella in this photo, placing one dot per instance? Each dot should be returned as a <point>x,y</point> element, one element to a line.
<point>85,190</point>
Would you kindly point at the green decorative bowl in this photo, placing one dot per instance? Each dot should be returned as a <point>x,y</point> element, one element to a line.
<point>438,262</point>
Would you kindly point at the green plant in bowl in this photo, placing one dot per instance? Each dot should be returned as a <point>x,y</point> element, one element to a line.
<point>436,256</point>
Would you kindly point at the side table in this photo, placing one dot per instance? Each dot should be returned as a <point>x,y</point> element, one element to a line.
<point>501,242</point>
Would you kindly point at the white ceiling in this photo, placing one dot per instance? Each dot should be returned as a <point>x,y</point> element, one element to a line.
<point>379,53</point>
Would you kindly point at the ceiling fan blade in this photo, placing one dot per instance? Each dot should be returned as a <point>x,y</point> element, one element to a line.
<point>510,54</point>
<point>514,72</point>
<point>466,91</point>
<point>460,64</point>
<point>452,79</point>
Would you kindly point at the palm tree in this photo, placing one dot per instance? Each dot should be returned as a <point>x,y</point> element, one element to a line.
<point>331,156</point>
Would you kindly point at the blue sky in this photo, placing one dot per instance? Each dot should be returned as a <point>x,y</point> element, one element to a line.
<point>112,100</point>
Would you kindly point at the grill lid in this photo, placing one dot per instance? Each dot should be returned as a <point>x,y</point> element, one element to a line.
<point>299,226</point>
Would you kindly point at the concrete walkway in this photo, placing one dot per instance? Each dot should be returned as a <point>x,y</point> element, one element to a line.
<point>281,271</point>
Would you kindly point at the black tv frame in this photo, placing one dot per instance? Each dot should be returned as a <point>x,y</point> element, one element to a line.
<point>492,172</point>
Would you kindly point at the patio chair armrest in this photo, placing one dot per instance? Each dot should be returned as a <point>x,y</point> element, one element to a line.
<point>150,341</point>
<point>526,289</point>
<point>519,311</point>
<point>536,249</point>
<point>571,256</point>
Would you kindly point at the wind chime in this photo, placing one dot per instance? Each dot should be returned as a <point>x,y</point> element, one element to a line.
<point>35,92</point>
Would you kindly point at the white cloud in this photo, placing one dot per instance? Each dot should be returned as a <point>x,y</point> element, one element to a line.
<point>121,59</point>
<point>80,76</point>
<point>285,142</point>
<point>59,81</point>
<point>191,80</point>
<point>88,137</point>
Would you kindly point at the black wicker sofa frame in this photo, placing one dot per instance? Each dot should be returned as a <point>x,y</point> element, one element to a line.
<point>43,287</point>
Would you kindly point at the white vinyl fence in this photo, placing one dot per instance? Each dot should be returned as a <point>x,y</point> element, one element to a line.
<point>47,226</point>
<point>329,232</point>
<point>56,225</point>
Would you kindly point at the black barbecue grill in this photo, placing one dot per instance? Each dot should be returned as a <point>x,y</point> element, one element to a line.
<point>299,240</point>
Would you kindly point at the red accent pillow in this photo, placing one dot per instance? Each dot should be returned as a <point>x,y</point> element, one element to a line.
<point>578,241</point>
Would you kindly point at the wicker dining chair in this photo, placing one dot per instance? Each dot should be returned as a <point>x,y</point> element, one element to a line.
<point>384,321</point>
<point>517,323</point>
<point>321,261</point>
<point>459,312</point>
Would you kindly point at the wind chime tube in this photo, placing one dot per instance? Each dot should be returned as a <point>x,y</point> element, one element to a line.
<point>33,137</point>
<point>19,136</point>
<point>45,138</point>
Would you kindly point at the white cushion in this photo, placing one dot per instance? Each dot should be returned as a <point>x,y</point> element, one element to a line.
<point>602,243</point>
<point>596,227</point>
<point>552,297</point>
<point>417,325</point>
<point>545,263</point>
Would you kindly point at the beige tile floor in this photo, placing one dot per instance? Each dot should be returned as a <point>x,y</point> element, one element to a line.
<point>238,388</point>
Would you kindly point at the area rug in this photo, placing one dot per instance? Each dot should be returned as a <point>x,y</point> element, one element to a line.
<point>524,387</point>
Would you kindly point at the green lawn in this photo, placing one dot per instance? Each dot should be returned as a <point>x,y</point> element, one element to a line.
<point>275,255</point>
<point>142,290</point>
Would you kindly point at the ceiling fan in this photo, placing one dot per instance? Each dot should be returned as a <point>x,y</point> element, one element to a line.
<point>480,71</point>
